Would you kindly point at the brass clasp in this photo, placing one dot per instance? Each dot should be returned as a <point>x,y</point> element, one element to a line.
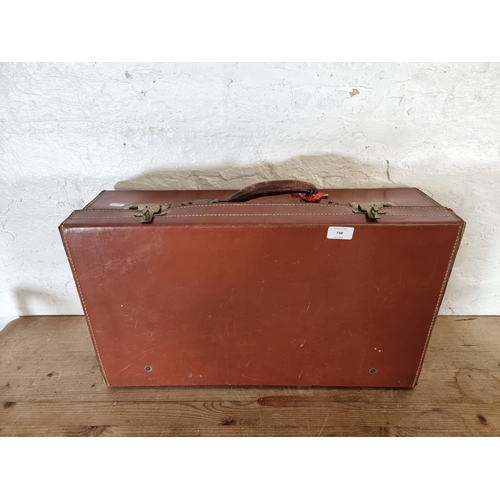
<point>372,209</point>
<point>149,210</point>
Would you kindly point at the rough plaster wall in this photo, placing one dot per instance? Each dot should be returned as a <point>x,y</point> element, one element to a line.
<point>68,131</point>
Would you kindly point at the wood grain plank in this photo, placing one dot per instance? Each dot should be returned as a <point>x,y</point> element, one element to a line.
<point>50,385</point>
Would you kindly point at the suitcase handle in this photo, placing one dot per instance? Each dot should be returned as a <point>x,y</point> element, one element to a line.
<point>273,188</point>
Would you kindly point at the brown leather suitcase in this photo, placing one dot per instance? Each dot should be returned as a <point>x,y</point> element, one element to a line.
<point>261,287</point>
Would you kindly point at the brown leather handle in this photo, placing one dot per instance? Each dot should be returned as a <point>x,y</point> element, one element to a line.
<point>272,188</point>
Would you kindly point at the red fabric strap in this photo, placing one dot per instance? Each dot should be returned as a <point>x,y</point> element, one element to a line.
<point>310,199</point>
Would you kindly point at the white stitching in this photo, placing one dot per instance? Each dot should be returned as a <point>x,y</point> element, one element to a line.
<point>221,205</point>
<point>412,215</point>
<point>214,205</point>
<point>257,215</point>
<point>308,215</point>
<point>333,205</point>
<point>124,217</point>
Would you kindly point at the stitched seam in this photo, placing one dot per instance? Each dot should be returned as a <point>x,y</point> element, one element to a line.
<point>443,286</point>
<point>412,215</point>
<point>219,205</point>
<point>214,205</point>
<point>416,224</point>
<point>310,205</point>
<point>222,215</point>
<point>259,215</point>
<point>416,207</point>
<point>299,214</point>
<point>83,304</point>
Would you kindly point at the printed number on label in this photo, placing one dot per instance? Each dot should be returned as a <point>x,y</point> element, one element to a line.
<point>340,233</point>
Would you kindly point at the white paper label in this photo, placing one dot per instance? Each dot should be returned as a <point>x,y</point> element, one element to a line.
<point>340,233</point>
<point>117,204</point>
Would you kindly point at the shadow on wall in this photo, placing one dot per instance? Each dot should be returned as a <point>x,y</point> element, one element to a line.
<point>324,170</point>
<point>31,300</point>
<point>327,171</point>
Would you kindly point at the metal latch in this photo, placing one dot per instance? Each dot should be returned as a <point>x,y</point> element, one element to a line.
<point>149,210</point>
<point>372,209</point>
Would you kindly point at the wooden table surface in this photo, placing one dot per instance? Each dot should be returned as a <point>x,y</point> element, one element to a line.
<point>50,385</point>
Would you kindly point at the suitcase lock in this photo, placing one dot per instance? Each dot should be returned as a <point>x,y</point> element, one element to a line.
<point>372,209</point>
<point>150,210</point>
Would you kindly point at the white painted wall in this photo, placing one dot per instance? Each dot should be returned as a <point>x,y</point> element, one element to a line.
<point>68,131</point>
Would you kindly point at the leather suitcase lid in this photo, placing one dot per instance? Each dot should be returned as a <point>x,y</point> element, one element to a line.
<point>398,196</point>
<point>410,206</point>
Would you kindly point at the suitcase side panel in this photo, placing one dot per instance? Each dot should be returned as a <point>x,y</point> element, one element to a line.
<point>453,256</point>
<point>261,304</point>
<point>63,232</point>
